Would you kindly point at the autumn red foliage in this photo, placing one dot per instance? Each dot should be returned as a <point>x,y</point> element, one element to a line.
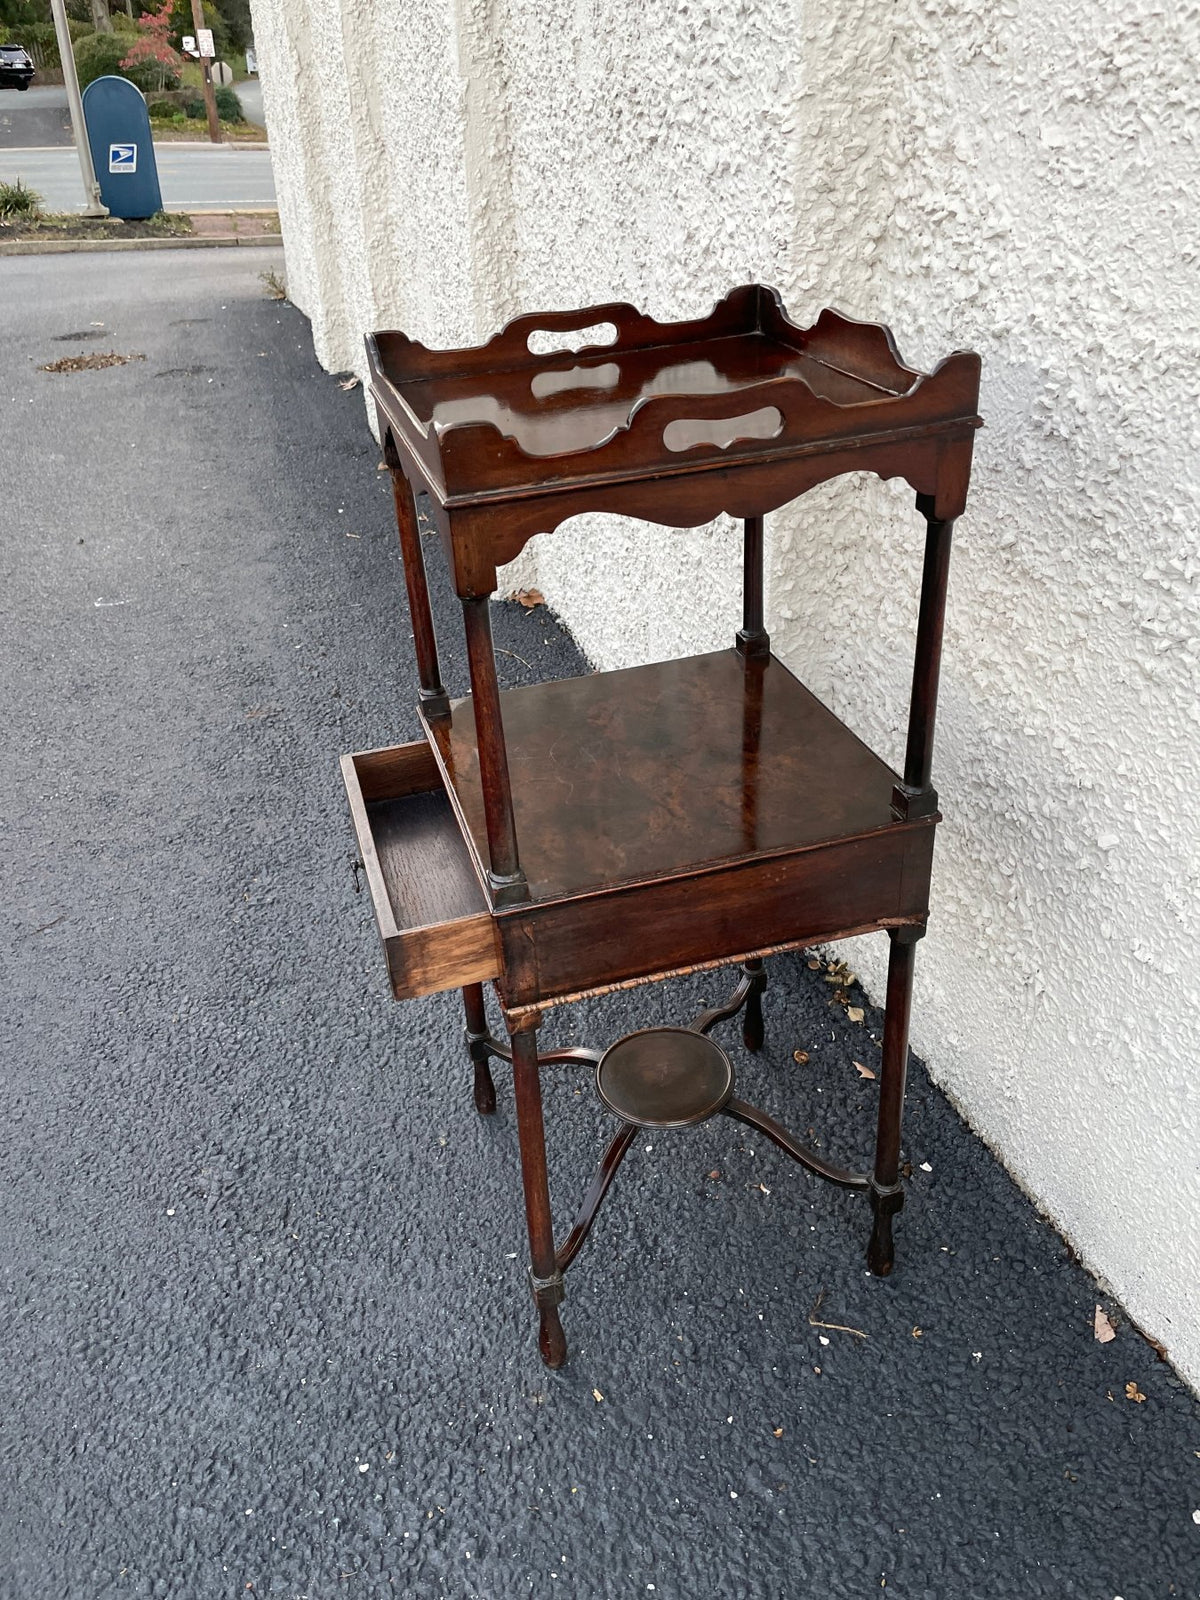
<point>151,51</point>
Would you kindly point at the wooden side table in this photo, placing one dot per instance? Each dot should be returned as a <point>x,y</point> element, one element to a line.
<point>573,837</point>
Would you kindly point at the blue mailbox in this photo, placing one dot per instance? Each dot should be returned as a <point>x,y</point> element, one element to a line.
<point>118,127</point>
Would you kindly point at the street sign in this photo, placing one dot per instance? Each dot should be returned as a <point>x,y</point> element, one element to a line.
<point>204,40</point>
<point>188,44</point>
<point>222,73</point>
<point>122,158</point>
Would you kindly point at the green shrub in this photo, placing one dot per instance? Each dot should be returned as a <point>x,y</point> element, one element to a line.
<point>18,201</point>
<point>161,108</point>
<point>123,23</point>
<point>100,54</point>
<point>195,107</point>
<point>229,107</point>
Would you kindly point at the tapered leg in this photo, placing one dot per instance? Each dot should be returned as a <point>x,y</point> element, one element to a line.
<point>543,1273</point>
<point>887,1195</point>
<point>752,1023</point>
<point>434,699</point>
<point>477,1044</point>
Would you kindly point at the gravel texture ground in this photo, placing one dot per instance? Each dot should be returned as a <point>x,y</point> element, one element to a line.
<point>264,1327</point>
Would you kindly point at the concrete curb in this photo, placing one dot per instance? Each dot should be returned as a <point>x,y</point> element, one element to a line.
<point>49,247</point>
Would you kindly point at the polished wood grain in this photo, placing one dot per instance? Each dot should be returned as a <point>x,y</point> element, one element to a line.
<point>587,943</point>
<point>622,776</point>
<point>510,444</point>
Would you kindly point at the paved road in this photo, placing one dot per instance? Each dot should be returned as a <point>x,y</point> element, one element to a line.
<point>193,177</point>
<point>38,117</point>
<point>249,92</point>
<point>264,1325</point>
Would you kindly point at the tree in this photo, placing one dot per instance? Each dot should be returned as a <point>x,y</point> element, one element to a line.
<point>151,55</point>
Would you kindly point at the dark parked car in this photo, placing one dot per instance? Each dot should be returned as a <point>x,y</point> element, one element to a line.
<point>16,67</point>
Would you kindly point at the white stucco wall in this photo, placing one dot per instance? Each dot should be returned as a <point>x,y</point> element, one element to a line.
<point>1013,177</point>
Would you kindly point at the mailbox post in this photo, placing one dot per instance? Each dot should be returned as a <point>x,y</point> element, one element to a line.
<point>118,126</point>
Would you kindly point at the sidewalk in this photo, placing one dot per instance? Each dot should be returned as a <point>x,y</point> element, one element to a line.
<point>265,1328</point>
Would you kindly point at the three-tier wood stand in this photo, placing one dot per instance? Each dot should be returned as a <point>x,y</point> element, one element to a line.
<point>573,837</point>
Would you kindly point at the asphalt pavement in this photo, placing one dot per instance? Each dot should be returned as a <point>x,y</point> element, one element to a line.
<point>193,177</point>
<point>36,116</point>
<point>264,1327</point>
<point>249,92</point>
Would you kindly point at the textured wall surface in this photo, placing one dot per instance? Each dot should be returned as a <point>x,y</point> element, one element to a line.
<point>1011,177</point>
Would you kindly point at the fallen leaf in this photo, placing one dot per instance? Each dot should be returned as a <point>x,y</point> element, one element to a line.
<point>597,1396</point>
<point>348,383</point>
<point>715,1173</point>
<point>917,1332</point>
<point>764,1188</point>
<point>1102,1327</point>
<point>863,1072</point>
<point>778,1432</point>
<point>1160,1350</point>
<point>855,1013</point>
<point>814,965</point>
<point>529,598</point>
<point>801,1056</point>
<point>1132,1392</point>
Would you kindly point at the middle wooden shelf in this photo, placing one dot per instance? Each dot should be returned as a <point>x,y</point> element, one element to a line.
<point>712,800</point>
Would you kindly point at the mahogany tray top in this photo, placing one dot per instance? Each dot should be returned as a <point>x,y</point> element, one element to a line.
<point>742,383</point>
<point>624,776</point>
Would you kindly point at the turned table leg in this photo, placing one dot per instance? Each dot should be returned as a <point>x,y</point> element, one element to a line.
<point>887,1193</point>
<point>478,1044</point>
<point>544,1274</point>
<point>752,1024</point>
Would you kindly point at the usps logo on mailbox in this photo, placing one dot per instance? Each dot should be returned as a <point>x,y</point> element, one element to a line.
<point>122,158</point>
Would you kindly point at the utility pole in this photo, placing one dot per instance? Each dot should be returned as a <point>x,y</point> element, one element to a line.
<point>210,99</point>
<point>66,51</point>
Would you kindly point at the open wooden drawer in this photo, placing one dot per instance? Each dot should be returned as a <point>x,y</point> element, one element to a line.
<point>432,916</point>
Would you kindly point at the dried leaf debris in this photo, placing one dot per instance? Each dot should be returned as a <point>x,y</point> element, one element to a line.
<point>1102,1327</point>
<point>92,362</point>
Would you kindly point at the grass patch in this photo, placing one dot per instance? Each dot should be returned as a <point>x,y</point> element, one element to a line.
<point>163,225</point>
<point>275,286</point>
<point>19,204</point>
<point>165,129</point>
